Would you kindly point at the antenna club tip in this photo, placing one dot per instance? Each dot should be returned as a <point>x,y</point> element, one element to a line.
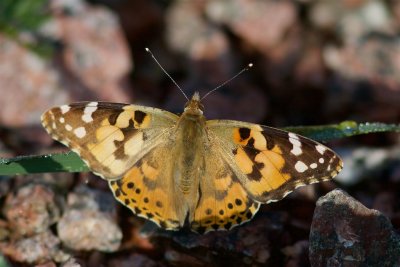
<point>250,65</point>
<point>147,49</point>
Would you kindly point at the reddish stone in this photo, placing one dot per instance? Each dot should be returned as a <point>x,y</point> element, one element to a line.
<point>41,248</point>
<point>90,212</point>
<point>31,210</point>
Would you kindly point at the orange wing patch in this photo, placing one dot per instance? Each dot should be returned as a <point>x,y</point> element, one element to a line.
<point>224,203</point>
<point>142,190</point>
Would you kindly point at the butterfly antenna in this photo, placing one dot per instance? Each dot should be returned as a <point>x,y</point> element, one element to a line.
<point>169,76</point>
<point>221,85</point>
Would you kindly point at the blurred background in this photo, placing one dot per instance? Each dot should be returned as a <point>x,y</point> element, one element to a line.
<point>315,62</point>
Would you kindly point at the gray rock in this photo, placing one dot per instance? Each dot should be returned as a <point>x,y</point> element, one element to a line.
<point>346,233</point>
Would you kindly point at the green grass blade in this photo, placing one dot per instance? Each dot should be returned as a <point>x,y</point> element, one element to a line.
<point>70,162</point>
<point>3,261</point>
<point>61,162</point>
<point>345,129</point>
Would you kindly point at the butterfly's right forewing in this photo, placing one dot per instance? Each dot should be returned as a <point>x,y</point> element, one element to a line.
<point>109,137</point>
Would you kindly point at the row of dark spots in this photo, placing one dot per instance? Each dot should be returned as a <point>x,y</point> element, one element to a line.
<point>131,185</point>
<point>225,224</point>
<point>118,191</point>
<point>238,202</point>
<point>238,217</point>
<point>139,117</point>
<point>146,200</point>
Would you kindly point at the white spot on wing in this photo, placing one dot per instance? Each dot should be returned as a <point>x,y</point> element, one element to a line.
<point>321,160</point>
<point>65,109</point>
<point>300,166</point>
<point>313,165</point>
<point>294,139</point>
<point>321,149</point>
<point>62,120</point>
<point>88,111</point>
<point>80,132</point>
<point>68,127</point>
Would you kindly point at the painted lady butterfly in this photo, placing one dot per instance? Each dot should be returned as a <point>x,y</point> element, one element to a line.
<point>177,170</point>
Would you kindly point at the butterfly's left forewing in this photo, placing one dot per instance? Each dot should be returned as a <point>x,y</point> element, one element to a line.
<point>271,163</point>
<point>109,137</point>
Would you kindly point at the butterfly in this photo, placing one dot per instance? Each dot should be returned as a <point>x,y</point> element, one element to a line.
<point>185,170</point>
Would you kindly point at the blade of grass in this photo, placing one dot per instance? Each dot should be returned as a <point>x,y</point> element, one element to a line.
<point>60,162</point>
<point>70,162</point>
<point>344,129</point>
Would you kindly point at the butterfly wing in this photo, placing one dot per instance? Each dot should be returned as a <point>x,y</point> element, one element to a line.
<point>149,190</point>
<point>109,137</point>
<point>223,202</point>
<point>270,163</point>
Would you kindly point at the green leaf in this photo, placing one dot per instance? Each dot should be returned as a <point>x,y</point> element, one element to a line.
<point>17,16</point>
<point>3,262</point>
<point>70,162</point>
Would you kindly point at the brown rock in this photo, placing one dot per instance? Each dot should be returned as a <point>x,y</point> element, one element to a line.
<point>93,64</point>
<point>373,59</point>
<point>96,56</point>
<point>40,248</point>
<point>346,233</point>
<point>31,210</point>
<point>23,97</point>
<point>263,24</point>
<point>88,222</point>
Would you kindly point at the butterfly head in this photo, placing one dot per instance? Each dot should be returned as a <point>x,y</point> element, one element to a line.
<point>194,106</point>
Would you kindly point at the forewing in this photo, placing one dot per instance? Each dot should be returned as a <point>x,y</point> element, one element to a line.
<point>109,137</point>
<point>270,163</point>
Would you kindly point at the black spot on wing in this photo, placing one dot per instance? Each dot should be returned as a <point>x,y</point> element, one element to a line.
<point>120,154</point>
<point>255,174</point>
<point>270,141</point>
<point>249,149</point>
<point>112,119</point>
<point>139,116</point>
<point>128,132</point>
<point>244,133</point>
<point>228,225</point>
